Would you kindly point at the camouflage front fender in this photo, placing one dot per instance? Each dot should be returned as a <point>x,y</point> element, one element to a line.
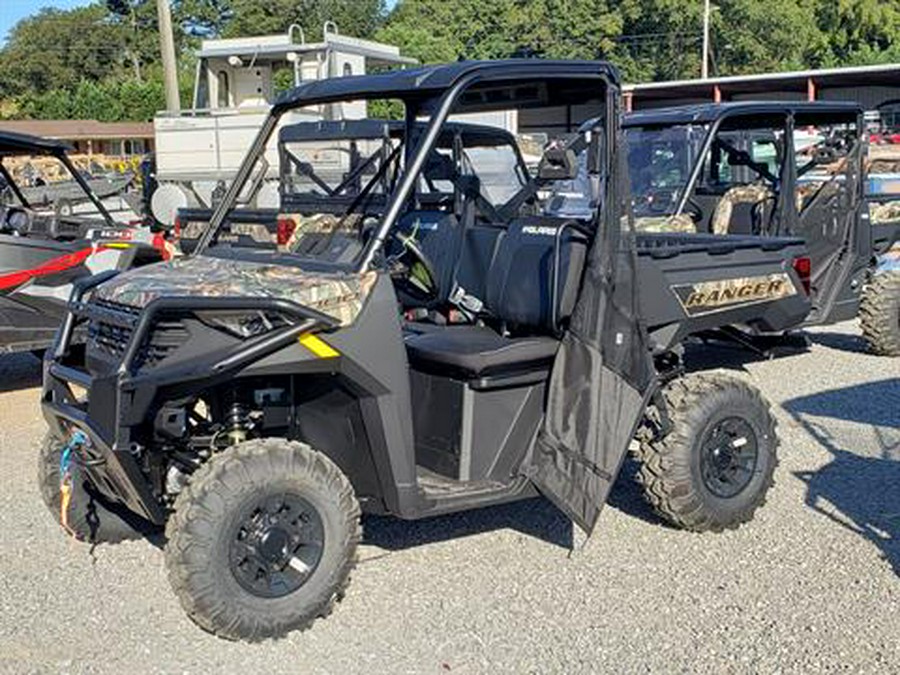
<point>340,296</point>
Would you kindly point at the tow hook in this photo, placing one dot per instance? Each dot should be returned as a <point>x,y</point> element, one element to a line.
<point>67,478</point>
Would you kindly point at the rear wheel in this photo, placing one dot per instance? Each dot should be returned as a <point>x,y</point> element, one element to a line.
<point>262,540</point>
<point>716,464</point>
<point>879,313</point>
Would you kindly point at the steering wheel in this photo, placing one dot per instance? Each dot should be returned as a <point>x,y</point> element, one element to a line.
<point>410,267</point>
<point>15,220</point>
<point>694,210</point>
<point>657,201</point>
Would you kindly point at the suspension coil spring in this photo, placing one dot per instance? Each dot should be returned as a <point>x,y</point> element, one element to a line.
<point>237,421</point>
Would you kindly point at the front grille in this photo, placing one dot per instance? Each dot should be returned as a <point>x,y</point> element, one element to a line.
<point>111,327</point>
<point>166,337</point>
<point>105,306</point>
<point>108,339</point>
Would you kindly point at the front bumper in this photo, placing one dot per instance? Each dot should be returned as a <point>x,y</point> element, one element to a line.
<point>114,473</point>
<point>108,405</point>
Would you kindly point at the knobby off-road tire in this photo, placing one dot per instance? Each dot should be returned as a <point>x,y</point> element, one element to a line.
<point>717,422</point>
<point>90,518</point>
<point>879,313</point>
<point>240,498</point>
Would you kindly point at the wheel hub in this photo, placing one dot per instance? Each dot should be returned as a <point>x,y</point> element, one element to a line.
<point>273,544</point>
<point>728,457</point>
<point>277,545</point>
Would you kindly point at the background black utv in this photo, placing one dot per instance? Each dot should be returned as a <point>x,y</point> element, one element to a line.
<point>775,168</point>
<point>254,400</point>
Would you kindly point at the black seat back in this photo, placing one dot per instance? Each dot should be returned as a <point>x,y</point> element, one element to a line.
<point>474,269</point>
<point>439,235</point>
<point>521,283</point>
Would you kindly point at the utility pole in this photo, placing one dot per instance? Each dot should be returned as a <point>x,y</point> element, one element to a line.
<point>704,67</point>
<point>167,47</point>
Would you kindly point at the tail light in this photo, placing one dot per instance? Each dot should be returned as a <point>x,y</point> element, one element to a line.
<point>803,268</point>
<point>164,246</point>
<point>285,231</point>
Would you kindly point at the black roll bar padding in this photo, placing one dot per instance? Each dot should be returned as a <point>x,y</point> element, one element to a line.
<point>557,252</point>
<point>189,304</point>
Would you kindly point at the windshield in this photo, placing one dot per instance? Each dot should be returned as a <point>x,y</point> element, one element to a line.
<point>659,165</point>
<point>498,167</point>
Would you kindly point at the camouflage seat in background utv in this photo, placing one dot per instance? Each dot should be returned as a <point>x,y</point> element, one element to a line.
<point>431,346</point>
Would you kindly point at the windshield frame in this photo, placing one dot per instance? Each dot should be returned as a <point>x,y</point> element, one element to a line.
<point>440,105</point>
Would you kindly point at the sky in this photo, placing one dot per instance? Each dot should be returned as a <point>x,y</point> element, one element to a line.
<point>11,11</point>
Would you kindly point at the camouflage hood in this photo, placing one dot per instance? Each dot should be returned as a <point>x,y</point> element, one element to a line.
<point>340,295</point>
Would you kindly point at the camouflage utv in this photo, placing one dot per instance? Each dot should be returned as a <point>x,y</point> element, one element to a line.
<point>428,342</point>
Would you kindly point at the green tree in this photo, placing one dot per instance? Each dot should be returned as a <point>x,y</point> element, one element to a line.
<point>661,40</point>
<point>102,61</point>
<point>754,37</point>
<point>860,31</point>
<point>235,18</point>
<point>652,39</point>
<point>138,32</point>
<point>435,30</point>
<point>203,18</point>
<point>57,49</point>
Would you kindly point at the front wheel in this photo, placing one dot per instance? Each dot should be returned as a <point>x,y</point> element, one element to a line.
<point>713,468</point>
<point>262,540</point>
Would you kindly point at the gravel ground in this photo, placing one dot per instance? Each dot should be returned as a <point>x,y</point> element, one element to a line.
<point>811,585</point>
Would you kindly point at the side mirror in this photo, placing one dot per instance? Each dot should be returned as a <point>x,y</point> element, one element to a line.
<point>558,163</point>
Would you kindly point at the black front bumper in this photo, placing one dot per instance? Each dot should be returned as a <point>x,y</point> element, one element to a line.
<point>106,458</point>
<point>119,398</point>
<point>114,473</point>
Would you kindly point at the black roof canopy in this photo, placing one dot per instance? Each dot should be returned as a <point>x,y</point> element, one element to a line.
<point>12,143</point>
<point>710,112</point>
<point>418,83</point>
<point>373,129</point>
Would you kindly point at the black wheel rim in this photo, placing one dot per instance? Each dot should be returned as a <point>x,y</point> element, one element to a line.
<point>276,545</point>
<point>728,456</point>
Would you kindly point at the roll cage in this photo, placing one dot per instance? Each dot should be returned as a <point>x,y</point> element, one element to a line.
<point>385,138</point>
<point>432,93</point>
<point>719,117</point>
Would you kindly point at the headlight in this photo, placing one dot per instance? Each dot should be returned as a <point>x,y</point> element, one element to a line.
<point>244,324</point>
